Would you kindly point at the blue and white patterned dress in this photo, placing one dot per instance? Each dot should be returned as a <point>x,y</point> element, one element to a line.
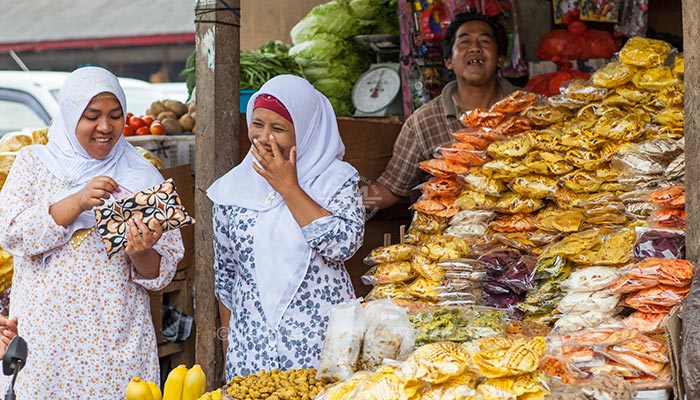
<point>253,344</point>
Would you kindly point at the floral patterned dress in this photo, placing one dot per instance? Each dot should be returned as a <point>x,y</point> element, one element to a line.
<point>253,344</point>
<point>86,318</point>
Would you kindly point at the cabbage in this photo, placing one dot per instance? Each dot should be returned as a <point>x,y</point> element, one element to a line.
<point>334,17</point>
<point>324,47</point>
<point>366,9</point>
<point>333,87</point>
<point>342,107</point>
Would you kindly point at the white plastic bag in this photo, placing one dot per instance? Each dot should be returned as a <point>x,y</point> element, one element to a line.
<point>341,348</point>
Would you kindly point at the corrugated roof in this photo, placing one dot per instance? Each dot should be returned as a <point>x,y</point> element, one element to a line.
<point>31,21</point>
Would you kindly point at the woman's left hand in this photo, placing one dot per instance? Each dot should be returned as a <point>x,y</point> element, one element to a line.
<point>140,238</point>
<point>279,172</point>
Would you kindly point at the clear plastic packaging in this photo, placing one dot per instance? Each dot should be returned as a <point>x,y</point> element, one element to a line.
<point>341,347</point>
<point>389,334</point>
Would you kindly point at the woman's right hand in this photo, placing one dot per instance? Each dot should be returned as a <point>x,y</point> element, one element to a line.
<point>8,330</point>
<point>95,192</point>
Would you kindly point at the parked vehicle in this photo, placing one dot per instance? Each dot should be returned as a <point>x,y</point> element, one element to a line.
<point>28,99</point>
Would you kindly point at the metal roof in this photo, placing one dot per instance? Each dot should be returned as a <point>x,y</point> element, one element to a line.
<point>27,22</point>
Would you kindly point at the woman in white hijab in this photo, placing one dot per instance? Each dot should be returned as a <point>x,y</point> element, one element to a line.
<point>85,317</point>
<point>285,220</point>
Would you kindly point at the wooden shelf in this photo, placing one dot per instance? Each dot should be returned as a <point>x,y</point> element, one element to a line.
<point>167,349</point>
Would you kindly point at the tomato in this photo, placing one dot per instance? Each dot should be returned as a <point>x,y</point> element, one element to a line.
<point>157,128</point>
<point>143,131</point>
<point>136,122</point>
<point>128,131</point>
<point>147,119</point>
<point>128,116</point>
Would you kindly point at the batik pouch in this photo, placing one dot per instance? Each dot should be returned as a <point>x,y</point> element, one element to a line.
<point>160,202</point>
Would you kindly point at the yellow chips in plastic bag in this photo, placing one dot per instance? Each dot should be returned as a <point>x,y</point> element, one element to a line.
<point>436,363</point>
<point>389,291</point>
<point>544,114</point>
<point>562,221</point>
<point>522,387</point>
<point>547,163</point>
<point>392,272</point>
<point>385,384</point>
<point>654,78</point>
<point>580,89</point>
<point>613,74</point>
<point>671,96</point>
<point>504,169</point>
<point>461,387</point>
<point>513,203</point>
<point>678,66</point>
<point>644,52</point>
<point>534,186</point>
<point>444,247</point>
<point>515,147</point>
<point>625,128</point>
<point>584,159</point>
<point>473,200</point>
<point>508,357</point>
<point>391,253</point>
<point>672,117</point>
<point>581,181</point>
<point>427,268</point>
<point>478,181</point>
<point>575,243</point>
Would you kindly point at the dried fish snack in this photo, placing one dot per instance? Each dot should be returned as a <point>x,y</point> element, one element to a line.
<point>671,117</point>
<point>477,181</point>
<point>477,137</point>
<point>511,148</point>
<point>515,102</point>
<point>513,203</point>
<point>547,163</point>
<point>392,272</point>
<point>545,114</point>
<point>581,89</point>
<point>481,117</point>
<point>644,52</point>
<point>391,253</point>
<point>613,74</point>
<point>442,168</point>
<point>534,186</point>
<point>656,78</point>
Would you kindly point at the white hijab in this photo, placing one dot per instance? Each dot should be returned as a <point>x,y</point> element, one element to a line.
<point>66,158</point>
<point>282,255</point>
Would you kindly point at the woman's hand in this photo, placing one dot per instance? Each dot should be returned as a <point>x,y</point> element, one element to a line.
<point>140,237</point>
<point>95,192</point>
<point>279,172</point>
<point>8,330</point>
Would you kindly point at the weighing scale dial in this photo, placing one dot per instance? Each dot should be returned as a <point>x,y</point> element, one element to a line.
<point>376,89</point>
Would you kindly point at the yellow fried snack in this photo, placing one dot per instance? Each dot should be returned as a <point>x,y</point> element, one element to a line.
<point>509,357</point>
<point>512,148</point>
<point>427,268</point>
<point>566,198</point>
<point>580,89</point>
<point>444,247</point>
<point>581,181</point>
<point>423,289</point>
<point>341,390</point>
<point>584,159</point>
<point>678,66</point>
<point>654,78</point>
<point>644,52</point>
<point>613,74</point>
<point>671,117</point>
<point>534,186</point>
<point>460,387</point>
<point>544,114</point>
<point>473,200</point>
<point>617,247</point>
<point>616,128</point>
<point>513,203</point>
<point>575,243</point>
<point>671,96</point>
<point>391,272</point>
<point>385,384</point>
<point>391,253</point>
<point>436,363</point>
<point>547,163</point>
<point>504,169</point>
<point>608,150</point>
<point>478,181</point>
<point>562,221</point>
<point>522,387</point>
<point>389,291</point>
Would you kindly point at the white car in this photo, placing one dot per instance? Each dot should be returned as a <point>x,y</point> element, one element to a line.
<point>29,99</point>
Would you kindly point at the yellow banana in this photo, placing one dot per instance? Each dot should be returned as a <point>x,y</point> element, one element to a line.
<point>216,395</point>
<point>137,389</point>
<point>195,383</point>
<point>155,391</point>
<point>174,384</point>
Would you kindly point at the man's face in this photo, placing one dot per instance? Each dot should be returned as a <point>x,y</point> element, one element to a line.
<point>475,58</point>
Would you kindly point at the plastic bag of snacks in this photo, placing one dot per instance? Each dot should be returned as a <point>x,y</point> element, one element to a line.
<point>389,334</point>
<point>341,347</point>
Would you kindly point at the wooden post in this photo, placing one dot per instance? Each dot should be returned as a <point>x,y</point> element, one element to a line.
<point>216,152</point>
<point>691,328</point>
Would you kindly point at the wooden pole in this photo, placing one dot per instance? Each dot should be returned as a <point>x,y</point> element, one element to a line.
<point>691,329</point>
<point>216,152</point>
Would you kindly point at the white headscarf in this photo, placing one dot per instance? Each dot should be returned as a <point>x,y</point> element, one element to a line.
<point>66,158</point>
<point>282,255</point>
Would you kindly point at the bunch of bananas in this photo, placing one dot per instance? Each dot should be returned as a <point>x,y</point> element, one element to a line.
<point>182,384</point>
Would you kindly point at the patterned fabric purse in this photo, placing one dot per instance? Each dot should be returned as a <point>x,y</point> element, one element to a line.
<point>160,202</point>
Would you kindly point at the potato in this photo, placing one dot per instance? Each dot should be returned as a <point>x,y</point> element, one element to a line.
<point>172,125</point>
<point>187,122</point>
<point>192,108</point>
<point>166,114</point>
<point>157,107</point>
<point>176,107</point>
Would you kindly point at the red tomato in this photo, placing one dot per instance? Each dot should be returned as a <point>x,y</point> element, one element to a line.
<point>128,116</point>
<point>157,128</point>
<point>136,122</point>
<point>128,131</point>
<point>143,131</point>
<point>147,119</point>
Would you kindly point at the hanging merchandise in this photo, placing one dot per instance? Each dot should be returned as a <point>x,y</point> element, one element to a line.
<point>514,65</point>
<point>590,10</point>
<point>633,18</point>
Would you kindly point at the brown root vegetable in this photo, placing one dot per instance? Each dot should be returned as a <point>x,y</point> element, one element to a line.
<point>187,122</point>
<point>176,107</point>
<point>166,114</point>
<point>157,107</point>
<point>172,125</point>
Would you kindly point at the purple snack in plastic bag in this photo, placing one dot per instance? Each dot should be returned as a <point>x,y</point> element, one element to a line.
<point>660,244</point>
